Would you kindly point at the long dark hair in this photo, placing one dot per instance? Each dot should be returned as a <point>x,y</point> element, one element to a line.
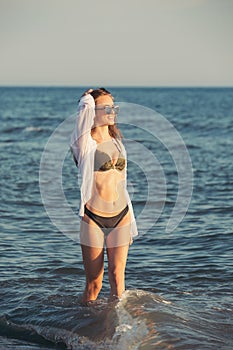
<point>113,130</point>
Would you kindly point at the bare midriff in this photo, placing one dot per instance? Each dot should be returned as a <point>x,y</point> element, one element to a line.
<point>108,193</point>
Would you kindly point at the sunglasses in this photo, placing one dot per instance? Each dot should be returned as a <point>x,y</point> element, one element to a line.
<point>109,109</point>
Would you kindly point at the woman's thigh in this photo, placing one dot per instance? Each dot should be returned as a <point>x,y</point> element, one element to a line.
<point>93,260</point>
<point>121,234</point>
<point>90,233</point>
<point>117,257</point>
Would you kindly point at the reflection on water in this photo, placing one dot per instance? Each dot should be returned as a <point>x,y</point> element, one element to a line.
<point>179,284</point>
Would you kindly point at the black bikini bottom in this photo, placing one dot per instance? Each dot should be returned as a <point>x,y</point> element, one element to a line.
<point>107,224</point>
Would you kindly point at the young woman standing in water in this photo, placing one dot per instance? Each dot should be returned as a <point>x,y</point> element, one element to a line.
<point>106,211</point>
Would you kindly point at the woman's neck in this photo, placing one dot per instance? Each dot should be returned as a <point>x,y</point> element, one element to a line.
<point>101,133</point>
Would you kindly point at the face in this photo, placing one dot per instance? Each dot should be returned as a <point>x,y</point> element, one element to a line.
<point>103,118</point>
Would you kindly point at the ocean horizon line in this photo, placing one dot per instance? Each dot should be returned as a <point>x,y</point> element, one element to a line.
<point>123,86</point>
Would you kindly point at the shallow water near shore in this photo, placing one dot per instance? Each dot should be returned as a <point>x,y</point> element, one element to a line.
<point>179,284</point>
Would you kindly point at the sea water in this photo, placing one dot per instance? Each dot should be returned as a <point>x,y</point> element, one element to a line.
<point>178,284</point>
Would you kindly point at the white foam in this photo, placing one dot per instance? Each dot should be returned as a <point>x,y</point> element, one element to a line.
<point>33,128</point>
<point>131,330</point>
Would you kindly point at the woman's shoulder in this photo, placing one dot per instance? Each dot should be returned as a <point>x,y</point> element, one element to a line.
<point>120,145</point>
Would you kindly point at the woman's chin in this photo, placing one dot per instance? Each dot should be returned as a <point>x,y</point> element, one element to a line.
<point>111,121</point>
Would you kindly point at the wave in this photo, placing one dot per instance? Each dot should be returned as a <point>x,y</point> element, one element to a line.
<point>33,128</point>
<point>65,323</point>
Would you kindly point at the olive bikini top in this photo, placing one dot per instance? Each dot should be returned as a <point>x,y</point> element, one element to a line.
<point>103,162</point>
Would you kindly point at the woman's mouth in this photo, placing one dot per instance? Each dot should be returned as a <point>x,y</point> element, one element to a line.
<point>111,118</point>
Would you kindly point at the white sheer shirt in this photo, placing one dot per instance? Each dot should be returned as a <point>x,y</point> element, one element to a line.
<point>83,148</point>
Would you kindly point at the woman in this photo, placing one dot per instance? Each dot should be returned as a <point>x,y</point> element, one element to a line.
<point>106,211</point>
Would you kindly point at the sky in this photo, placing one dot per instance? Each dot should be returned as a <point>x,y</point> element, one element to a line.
<point>116,43</point>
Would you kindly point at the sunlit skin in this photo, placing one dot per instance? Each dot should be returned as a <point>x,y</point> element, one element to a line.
<point>108,199</point>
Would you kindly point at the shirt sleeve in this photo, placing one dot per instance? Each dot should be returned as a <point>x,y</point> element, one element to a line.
<point>81,137</point>
<point>83,147</point>
<point>134,230</point>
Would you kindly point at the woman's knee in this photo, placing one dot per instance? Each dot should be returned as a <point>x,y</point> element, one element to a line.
<point>116,273</point>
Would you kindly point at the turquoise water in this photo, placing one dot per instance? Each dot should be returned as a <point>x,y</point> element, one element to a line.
<point>179,284</point>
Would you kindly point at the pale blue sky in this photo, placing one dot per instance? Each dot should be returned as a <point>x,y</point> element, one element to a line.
<point>120,42</point>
